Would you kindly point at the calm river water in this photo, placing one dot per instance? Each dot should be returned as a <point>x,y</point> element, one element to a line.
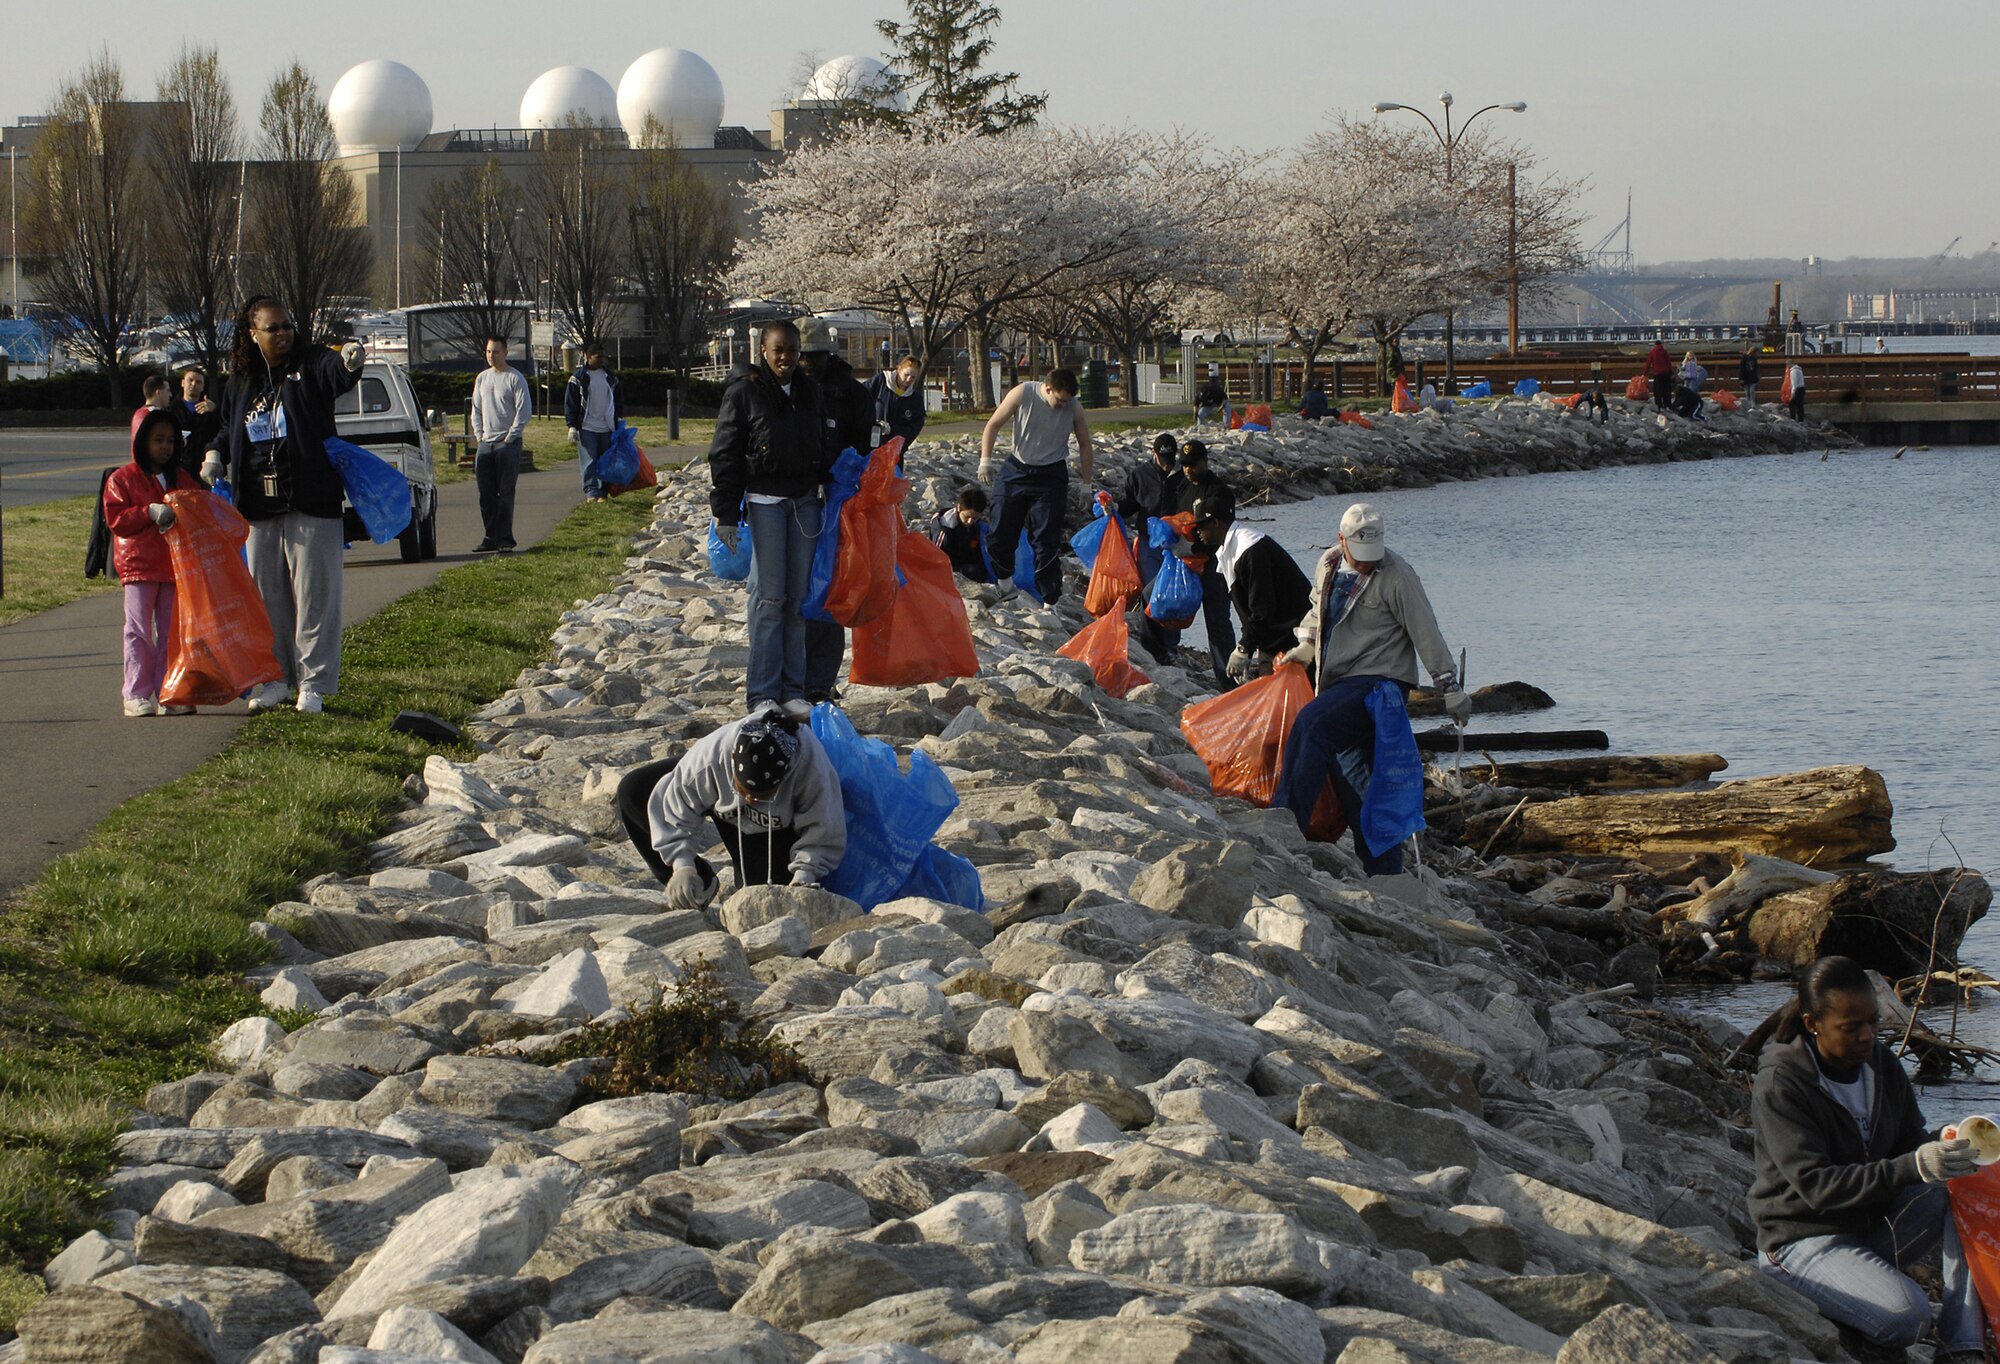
<point>1783,611</point>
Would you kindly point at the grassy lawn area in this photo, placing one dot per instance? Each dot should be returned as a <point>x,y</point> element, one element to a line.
<point>44,557</point>
<point>118,967</point>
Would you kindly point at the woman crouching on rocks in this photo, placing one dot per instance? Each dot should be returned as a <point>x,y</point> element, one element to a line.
<point>1850,1183</point>
<point>768,788</point>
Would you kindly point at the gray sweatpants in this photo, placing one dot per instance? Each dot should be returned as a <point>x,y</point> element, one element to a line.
<point>295,560</point>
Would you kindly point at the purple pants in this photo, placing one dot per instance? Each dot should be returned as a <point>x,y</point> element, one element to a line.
<point>149,637</point>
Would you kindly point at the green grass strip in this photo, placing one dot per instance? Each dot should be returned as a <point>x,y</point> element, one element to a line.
<point>119,965</point>
<point>44,556</point>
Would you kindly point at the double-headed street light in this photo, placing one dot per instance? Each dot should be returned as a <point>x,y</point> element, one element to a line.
<point>1448,139</point>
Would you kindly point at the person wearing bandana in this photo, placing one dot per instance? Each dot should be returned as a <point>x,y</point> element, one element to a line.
<point>770,793</point>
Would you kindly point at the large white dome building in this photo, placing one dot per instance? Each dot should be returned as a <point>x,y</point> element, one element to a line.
<point>568,91</point>
<point>679,90</point>
<point>855,77</point>
<point>380,106</point>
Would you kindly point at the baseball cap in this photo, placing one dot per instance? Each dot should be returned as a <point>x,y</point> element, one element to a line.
<point>1194,452</point>
<point>1219,505</point>
<point>815,334</point>
<point>1361,527</point>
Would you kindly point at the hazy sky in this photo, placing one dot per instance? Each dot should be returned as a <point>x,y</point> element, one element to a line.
<point>1837,128</point>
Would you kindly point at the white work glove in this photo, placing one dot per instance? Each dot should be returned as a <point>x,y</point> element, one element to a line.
<point>1458,706</point>
<point>1301,654</point>
<point>802,877</point>
<point>726,534</point>
<point>162,515</point>
<point>1941,1161</point>
<point>211,469</point>
<point>1238,666</point>
<point>1181,549</point>
<point>352,354</point>
<point>571,435</point>
<point>686,889</point>
<point>989,469</point>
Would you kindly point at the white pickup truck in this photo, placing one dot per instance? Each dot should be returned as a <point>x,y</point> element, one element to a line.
<point>381,413</point>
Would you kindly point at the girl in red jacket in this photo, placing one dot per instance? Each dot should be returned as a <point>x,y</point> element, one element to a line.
<point>136,512</point>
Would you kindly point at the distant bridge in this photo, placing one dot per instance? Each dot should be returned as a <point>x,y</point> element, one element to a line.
<point>1636,297</point>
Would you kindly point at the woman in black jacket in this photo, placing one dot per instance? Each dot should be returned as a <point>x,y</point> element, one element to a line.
<point>767,462</point>
<point>1850,1184</point>
<point>277,415</point>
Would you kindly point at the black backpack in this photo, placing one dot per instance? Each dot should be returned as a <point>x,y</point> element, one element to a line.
<point>97,554</point>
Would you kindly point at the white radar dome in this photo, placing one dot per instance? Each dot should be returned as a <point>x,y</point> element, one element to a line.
<point>566,92</point>
<point>678,90</point>
<point>380,106</point>
<point>855,77</point>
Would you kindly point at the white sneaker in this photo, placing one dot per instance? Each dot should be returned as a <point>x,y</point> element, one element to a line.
<point>798,708</point>
<point>1005,590</point>
<point>269,696</point>
<point>137,707</point>
<point>309,701</point>
<point>176,710</point>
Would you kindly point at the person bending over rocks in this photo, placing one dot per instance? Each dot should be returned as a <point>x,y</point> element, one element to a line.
<point>1368,622</point>
<point>768,788</point>
<point>1850,1184</point>
<point>1270,593</point>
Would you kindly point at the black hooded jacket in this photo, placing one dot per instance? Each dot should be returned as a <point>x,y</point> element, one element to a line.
<point>308,381</point>
<point>766,441</point>
<point>1815,1176</point>
<point>846,409</point>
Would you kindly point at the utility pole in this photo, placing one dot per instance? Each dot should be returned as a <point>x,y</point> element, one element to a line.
<point>1513,274</point>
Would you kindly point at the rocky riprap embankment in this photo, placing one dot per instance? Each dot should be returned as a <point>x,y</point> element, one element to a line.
<point>1191,1090</point>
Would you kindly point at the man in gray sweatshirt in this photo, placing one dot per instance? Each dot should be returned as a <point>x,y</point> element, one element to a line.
<point>501,406</point>
<point>767,788</point>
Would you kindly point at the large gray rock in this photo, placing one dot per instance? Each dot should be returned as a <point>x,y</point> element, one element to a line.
<point>1188,1245</point>
<point>1204,883</point>
<point>1632,1335</point>
<point>498,1089</point>
<point>684,1337</point>
<point>848,1040</point>
<point>414,1331</point>
<point>246,1305</point>
<point>379,1047</point>
<point>755,906</point>
<point>90,1256</point>
<point>1421,1139</point>
<point>332,1227</point>
<point>92,1325</point>
<point>488,1228</point>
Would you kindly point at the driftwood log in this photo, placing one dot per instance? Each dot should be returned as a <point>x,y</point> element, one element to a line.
<point>1522,741</point>
<point>1755,879</point>
<point>1827,816</point>
<point>1585,776</point>
<point>1898,923</point>
<point>1502,698</point>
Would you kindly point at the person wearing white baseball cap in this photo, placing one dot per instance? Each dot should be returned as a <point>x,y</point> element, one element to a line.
<point>1368,624</point>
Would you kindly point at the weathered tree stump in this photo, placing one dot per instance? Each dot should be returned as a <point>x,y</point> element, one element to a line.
<point>1888,921</point>
<point>1828,816</point>
<point>1502,698</point>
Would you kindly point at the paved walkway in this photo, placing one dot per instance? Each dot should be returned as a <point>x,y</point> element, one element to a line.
<point>68,757</point>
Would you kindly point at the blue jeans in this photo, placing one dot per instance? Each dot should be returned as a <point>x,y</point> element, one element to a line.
<point>1031,497</point>
<point>826,648</point>
<point>1334,740</point>
<point>590,447</point>
<point>782,538</point>
<point>1858,1281</point>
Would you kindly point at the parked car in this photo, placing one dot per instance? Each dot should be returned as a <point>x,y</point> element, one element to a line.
<point>382,415</point>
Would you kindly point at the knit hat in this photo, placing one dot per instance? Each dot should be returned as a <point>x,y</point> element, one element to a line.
<point>765,752</point>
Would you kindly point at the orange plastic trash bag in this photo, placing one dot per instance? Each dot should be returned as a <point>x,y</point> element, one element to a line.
<point>647,477</point>
<point>1569,401</point>
<point>1356,419</point>
<point>1241,734</point>
<point>1115,575</point>
<point>222,638</point>
<point>924,636</point>
<point>1785,389</point>
<point>1400,400</point>
<point>1637,388</point>
<point>1724,399</point>
<point>1258,414</point>
<point>1975,1206</point>
<point>1106,645</point>
<point>871,525</point>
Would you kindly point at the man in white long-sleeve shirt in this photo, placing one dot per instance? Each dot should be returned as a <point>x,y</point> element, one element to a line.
<point>501,406</point>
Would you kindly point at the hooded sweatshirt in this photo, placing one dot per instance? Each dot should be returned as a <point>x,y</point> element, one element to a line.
<point>1816,1176</point>
<point>899,409</point>
<point>702,785</point>
<point>138,550</point>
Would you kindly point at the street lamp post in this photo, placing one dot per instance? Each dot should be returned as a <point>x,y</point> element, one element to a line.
<point>1448,139</point>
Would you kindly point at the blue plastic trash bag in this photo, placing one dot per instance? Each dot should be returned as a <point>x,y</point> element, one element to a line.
<point>1482,389</point>
<point>1175,596</point>
<point>620,461</point>
<point>845,483</point>
<point>225,490</point>
<point>1527,388</point>
<point>1392,808</point>
<point>1086,541</point>
<point>942,875</point>
<point>1253,426</point>
<point>1024,565</point>
<point>891,817</point>
<point>377,488</point>
<point>732,566</point>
